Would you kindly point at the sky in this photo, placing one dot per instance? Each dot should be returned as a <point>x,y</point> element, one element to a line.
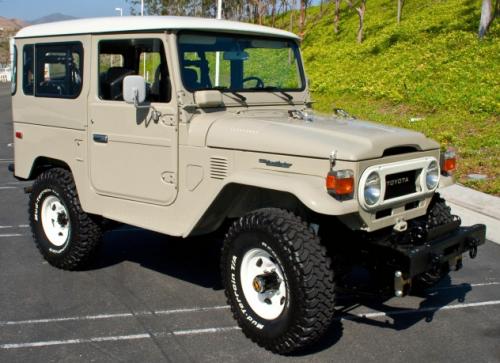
<point>34,9</point>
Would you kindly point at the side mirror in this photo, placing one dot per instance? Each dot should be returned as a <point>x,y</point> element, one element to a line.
<point>134,90</point>
<point>208,98</point>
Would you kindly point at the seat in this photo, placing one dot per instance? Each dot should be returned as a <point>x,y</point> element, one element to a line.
<point>190,78</point>
<point>160,89</point>
<point>112,83</point>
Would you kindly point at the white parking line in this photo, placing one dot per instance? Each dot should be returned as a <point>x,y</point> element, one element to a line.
<point>203,330</point>
<point>6,160</point>
<point>421,310</point>
<point>118,338</point>
<point>18,226</point>
<point>74,341</point>
<point>3,188</point>
<point>113,316</point>
<point>11,235</point>
<point>460,285</point>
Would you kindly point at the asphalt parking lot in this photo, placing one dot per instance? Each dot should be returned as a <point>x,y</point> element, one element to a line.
<point>152,298</point>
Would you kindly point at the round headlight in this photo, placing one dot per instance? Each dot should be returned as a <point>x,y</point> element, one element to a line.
<point>432,175</point>
<point>372,188</point>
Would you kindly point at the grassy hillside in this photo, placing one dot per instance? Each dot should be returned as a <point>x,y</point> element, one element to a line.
<point>431,67</point>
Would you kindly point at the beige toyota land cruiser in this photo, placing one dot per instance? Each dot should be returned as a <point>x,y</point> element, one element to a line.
<point>183,125</point>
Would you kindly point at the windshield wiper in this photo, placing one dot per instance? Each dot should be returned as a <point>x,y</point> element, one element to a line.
<point>226,89</point>
<point>288,96</point>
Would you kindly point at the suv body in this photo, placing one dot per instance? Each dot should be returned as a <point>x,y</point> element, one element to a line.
<point>196,145</point>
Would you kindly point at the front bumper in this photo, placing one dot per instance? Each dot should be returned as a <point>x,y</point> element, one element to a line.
<point>441,250</point>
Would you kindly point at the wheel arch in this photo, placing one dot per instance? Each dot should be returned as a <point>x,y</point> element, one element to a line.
<point>250,190</point>
<point>43,163</point>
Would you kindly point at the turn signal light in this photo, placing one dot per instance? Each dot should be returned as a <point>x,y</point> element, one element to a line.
<point>340,182</point>
<point>449,161</point>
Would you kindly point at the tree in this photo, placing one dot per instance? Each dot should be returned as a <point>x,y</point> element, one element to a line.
<point>488,14</point>
<point>336,19</point>
<point>360,9</point>
<point>400,9</point>
<point>361,13</point>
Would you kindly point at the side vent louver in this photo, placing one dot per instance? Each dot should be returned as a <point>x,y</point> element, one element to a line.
<point>218,167</point>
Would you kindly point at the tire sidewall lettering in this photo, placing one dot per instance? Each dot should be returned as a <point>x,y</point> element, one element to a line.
<point>252,319</point>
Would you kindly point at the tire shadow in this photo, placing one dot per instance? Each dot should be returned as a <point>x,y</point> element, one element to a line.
<point>195,260</point>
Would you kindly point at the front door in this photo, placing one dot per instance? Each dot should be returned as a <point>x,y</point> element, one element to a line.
<point>133,151</point>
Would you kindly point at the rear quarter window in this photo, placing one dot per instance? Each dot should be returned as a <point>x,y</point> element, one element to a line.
<point>59,70</point>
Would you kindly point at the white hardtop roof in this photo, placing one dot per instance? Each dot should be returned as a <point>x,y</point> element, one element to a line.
<point>121,24</point>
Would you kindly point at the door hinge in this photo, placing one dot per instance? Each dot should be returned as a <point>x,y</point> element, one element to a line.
<point>168,120</point>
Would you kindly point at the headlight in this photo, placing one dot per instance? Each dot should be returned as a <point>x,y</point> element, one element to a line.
<point>432,175</point>
<point>372,188</point>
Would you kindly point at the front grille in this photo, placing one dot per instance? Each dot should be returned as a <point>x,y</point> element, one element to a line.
<point>400,184</point>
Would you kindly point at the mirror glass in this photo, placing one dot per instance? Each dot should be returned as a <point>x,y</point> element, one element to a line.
<point>134,89</point>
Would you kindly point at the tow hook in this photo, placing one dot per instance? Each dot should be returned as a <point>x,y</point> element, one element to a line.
<point>401,225</point>
<point>473,243</point>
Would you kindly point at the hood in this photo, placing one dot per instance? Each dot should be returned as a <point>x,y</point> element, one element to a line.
<point>271,133</point>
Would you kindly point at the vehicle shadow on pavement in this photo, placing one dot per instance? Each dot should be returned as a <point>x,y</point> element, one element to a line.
<point>401,318</point>
<point>195,260</point>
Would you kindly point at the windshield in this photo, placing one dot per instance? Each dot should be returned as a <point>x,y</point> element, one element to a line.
<point>244,63</point>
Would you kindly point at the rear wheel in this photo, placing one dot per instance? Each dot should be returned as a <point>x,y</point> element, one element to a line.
<point>65,235</point>
<point>278,280</point>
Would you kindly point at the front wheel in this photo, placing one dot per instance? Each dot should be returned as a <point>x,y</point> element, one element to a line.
<point>65,235</point>
<point>278,280</point>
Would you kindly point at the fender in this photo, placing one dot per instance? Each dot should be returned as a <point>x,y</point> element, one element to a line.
<point>307,189</point>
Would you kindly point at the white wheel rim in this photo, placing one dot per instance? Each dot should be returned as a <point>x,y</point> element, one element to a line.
<point>267,304</point>
<point>55,221</point>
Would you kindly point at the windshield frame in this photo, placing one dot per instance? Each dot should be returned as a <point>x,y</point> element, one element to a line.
<point>295,46</point>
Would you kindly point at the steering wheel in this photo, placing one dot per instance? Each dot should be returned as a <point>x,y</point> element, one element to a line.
<point>259,84</point>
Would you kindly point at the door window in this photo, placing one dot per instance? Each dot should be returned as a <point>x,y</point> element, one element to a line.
<point>123,57</point>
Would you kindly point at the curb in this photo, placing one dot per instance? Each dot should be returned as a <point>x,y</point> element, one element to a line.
<point>475,207</point>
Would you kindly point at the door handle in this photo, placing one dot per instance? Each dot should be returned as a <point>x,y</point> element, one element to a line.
<point>102,139</point>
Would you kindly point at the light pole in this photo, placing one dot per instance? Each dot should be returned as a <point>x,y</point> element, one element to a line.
<point>120,10</point>
<point>144,66</point>
<point>217,54</point>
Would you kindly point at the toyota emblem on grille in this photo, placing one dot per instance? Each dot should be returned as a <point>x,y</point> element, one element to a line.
<point>397,181</point>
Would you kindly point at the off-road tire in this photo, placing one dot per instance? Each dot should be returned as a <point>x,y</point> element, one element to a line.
<point>309,279</point>
<point>85,231</point>
<point>438,213</point>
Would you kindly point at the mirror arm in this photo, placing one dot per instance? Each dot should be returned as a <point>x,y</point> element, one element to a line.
<point>155,114</point>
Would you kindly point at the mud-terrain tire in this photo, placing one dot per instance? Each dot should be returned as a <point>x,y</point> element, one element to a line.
<point>301,309</point>
<point>439,213</point>
<point>64,234</point>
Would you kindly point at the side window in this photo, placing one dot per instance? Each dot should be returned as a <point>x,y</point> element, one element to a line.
<point>123,57</point>
<point>13,67</point>
<point>28,66</point>
<point>59,70</point>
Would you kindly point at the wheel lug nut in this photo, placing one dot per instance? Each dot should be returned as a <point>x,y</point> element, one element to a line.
<point>282,300</point>
<point>259,262</point>
<point>268,301</point>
